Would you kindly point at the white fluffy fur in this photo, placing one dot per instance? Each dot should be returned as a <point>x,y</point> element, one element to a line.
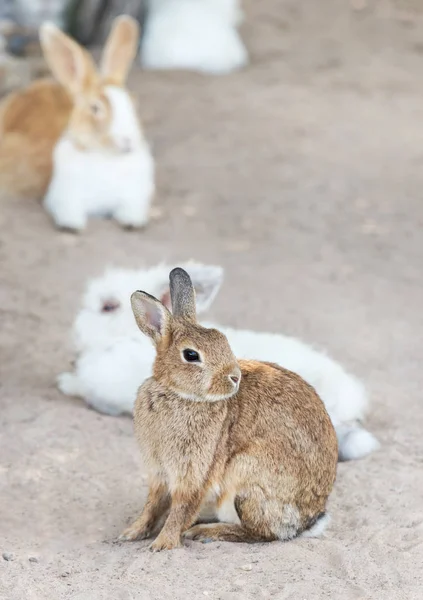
<point>114,358</point>
<point>199,35</point>
<point>102,183</point>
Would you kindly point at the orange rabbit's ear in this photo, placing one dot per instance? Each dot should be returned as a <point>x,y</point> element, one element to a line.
<point>120,50</point>
<point>70,64</point>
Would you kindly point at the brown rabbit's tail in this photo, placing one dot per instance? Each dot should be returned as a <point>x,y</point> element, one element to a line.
<point>316,525</point>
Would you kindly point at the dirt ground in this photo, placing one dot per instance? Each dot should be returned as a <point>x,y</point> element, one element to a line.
<point>303,177</point>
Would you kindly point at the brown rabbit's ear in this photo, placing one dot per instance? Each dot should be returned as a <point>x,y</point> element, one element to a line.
<point>120,50</point>
<point>151,316</point>
<point>70,64</point>
<point>182,294</point>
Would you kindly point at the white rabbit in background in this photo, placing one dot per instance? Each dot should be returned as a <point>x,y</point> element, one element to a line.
<point>199,35</point>
<point>114,358</point>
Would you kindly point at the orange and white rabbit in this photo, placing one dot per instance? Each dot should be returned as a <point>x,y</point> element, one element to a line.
<point>251,436</point>
<point>79,140</point>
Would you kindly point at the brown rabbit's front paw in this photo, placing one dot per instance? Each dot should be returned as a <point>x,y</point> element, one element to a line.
<point>165,542</point>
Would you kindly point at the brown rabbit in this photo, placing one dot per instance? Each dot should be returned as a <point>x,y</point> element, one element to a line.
<point>251,437</point>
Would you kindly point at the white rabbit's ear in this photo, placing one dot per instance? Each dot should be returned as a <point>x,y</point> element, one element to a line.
<point>70,64</point>
<point>151,316</point>
<point>120,50</point>
<point>206,280</point>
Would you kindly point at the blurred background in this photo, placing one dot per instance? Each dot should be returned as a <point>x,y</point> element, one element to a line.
<point>302,175</point>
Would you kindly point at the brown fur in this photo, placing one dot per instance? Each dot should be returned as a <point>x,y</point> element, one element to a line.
<point>267,451</point>
<point>33,119</point>
<point>28,136</point>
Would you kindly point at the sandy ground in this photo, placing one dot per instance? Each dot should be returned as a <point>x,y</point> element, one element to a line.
<point>303,176</point>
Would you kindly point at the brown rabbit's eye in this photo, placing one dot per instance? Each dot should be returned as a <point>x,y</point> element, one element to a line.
<point>191,355</point>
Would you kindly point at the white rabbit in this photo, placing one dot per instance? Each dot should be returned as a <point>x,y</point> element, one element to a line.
<point>114,358</point>
<point>199,35</point>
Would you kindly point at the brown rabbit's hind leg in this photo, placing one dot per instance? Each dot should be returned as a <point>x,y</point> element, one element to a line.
<point>287,529</point>
<point>152,516</point>
<point>268,515</point>
<point>240,521</point>
<point>225,532</point>
<point>255,518</point>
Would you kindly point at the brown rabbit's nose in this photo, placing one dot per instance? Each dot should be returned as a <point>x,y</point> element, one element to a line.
<point>234,378</point>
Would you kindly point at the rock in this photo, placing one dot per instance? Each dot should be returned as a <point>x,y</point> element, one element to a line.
<point>247,567</point>
<point>8,556</point>
<point>239,582</point>
<point>33,559</point>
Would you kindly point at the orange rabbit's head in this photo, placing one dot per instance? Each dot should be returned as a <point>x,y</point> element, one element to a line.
<point>103,115</point>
